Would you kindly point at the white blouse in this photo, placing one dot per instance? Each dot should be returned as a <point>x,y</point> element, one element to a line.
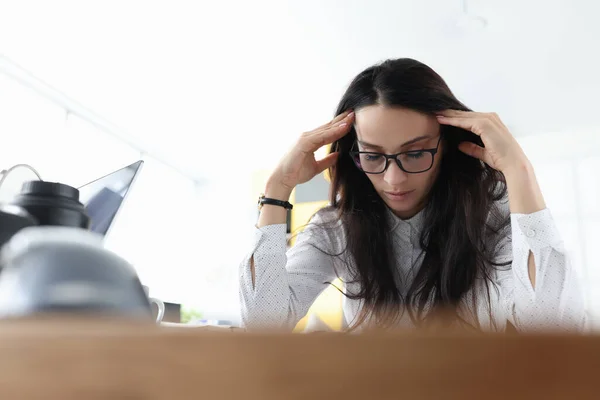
<point>287,282</point>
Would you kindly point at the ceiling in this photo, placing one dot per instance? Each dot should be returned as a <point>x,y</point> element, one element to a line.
<point>190,79</point>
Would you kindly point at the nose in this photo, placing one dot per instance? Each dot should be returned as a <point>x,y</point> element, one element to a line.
<point>394,176</point>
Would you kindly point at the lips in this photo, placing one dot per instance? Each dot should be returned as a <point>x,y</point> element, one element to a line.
<point>399,193</point>
<point>398,196</point>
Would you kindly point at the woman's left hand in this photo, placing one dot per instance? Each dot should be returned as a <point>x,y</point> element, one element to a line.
<point>501,152</point>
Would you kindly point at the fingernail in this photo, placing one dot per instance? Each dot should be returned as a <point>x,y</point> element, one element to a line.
<point>351,113</point>
<point>342,125</point>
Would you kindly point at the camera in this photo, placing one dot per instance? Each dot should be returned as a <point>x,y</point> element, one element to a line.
<point>51,262</point>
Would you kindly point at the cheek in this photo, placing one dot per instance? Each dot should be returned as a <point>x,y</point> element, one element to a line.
<point>426,180</point>
<point>421,181</point>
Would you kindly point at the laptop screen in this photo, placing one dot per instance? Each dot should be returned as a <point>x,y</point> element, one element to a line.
<point>103,197</point>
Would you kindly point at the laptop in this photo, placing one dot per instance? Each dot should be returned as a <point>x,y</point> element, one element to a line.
<point>104,197</point>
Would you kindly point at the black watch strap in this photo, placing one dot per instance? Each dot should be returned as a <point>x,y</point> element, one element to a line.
<point>274,202</point>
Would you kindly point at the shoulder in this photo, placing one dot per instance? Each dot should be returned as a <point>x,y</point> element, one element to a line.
<point>327,220</point>
<point>326,228</point>
<point>328,216</point>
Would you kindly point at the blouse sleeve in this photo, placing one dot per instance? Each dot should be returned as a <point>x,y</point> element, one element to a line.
<point>287,282</point>
<point>557,301</point>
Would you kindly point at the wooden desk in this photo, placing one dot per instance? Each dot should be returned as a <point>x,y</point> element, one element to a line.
<point>53,359</point>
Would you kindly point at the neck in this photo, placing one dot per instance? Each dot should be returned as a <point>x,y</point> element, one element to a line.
<point>410,213</point>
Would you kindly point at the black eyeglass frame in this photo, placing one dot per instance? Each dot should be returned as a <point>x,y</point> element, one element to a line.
<point>388,157</point>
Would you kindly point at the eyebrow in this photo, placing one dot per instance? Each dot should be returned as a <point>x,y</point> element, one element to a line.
<point>411,141</point>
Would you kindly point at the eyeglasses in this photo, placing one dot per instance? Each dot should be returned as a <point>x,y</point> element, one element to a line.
<point>412,162</point>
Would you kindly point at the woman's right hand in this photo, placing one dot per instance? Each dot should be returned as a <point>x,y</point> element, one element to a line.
<point>299,164</point>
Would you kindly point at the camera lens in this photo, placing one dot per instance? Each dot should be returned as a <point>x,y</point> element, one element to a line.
<point>52,203</point>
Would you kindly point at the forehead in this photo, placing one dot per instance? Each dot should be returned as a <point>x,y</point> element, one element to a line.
<point>389,127</point>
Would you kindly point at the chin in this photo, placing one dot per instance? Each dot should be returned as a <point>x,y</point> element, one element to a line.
<point>404,209</point>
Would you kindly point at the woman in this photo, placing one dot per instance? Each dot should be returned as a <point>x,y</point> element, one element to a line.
<point>433,207</point>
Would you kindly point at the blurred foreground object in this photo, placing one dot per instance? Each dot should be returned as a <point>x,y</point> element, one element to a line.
<point>51,263</point>
<point>102,359</point>
<point>61,269</point>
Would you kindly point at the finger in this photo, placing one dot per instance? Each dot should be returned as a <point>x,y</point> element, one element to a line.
<point>311,142</point>
<point>463,114</point>
<point>470,124</point>
<point>473,150</point>
<point>453,113</point>
<point>327,161</point>
<point>347,121</point>
<point>471,114</point>
<point>336,120</point>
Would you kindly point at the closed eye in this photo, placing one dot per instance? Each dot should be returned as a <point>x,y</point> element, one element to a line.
<point>372,157</point>
<point>415,154</point>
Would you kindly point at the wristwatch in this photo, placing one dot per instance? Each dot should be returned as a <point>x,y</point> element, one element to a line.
<point>262,200</point>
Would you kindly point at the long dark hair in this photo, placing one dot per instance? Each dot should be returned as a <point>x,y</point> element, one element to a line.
<point>456,224</point>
